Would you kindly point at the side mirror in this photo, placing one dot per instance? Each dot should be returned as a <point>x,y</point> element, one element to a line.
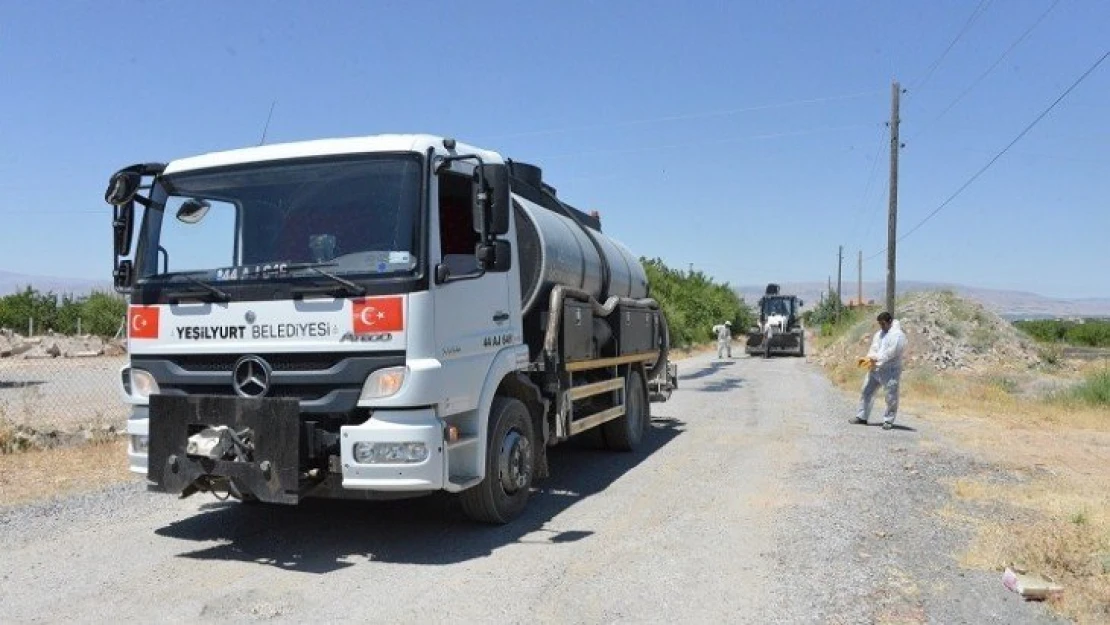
<point>495,257</point>
<point>192,210</point>
<point>122,187</point>
<point>123,275</point>
<point>122,227</point>
<point>493,203</point>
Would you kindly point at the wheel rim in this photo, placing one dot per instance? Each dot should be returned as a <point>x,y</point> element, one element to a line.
<point>515,462</point>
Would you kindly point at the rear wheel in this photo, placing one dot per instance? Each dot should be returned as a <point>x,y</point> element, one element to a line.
<point>626,432</point>
<point>510,467</point>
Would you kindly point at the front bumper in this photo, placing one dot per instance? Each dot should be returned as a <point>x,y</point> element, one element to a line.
<point>271,473</point>
<point>395,426</point>
<point>174,471</point>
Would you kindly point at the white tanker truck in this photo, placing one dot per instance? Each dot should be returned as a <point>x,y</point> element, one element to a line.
<point>373,317</point>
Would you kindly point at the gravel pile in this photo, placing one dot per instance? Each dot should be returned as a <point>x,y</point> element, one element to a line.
<point>944,332</point>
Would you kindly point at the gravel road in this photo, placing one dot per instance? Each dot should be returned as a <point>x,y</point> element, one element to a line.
<point>754,502</point>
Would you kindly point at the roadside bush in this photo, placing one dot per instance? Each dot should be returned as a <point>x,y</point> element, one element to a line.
<point>1089,333</point>
<point>1095,390</point>
<point>694,303</point>
<point>1051,355</point>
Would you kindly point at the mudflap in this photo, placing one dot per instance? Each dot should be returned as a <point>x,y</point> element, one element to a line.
<point>272,472</point>
<point>663,384</point>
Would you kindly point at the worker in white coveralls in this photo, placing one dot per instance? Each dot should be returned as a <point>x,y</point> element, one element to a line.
<point>884,369</point>
<point>724,339</point>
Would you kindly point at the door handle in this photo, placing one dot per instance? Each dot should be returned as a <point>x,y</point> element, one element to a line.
<point>501,316</point>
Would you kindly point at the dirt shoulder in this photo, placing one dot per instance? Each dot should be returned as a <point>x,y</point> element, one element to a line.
<point>46,474</point>
<point>1040,494</point>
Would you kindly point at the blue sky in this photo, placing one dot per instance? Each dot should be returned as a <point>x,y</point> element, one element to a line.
<point>737,136</point>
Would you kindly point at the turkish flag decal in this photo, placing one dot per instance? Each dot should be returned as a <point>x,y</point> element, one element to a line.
<point>142,322</point>
<point>378,314</point>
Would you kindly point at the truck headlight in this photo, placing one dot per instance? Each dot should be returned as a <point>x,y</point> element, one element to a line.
<point>138,384</point>
<point>384,382</point>
<point>366,452</point>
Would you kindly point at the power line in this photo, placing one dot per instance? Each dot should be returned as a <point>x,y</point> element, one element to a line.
<point>979,10</point>
<point>688,116</point>
<point>870,182</point>
<point>999,155</point>
<point>992,67</point>
<point>707,142</point>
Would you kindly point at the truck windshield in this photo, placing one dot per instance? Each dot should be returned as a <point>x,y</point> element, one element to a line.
<point>352,215</point>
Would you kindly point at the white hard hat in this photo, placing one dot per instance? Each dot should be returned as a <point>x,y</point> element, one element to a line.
<point>728,323</point>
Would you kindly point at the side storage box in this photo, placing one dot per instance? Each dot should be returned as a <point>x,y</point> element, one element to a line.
<point>578,335</point>
<point>636,329</point>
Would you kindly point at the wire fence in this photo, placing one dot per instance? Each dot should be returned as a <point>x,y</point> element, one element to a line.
<point>56,383</point>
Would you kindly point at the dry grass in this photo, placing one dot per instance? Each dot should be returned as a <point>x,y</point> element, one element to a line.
<point>1060,454</point>
<point>1000,395</point>
<point>45,474</point>
<point>7,431</point>
<point>1066,542</point>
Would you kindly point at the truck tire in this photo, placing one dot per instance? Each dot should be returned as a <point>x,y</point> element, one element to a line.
<point>502,495</point>
<point>626,432</point>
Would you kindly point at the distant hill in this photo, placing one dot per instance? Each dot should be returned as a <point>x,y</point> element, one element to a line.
<point>1009,304</point>
<point>13,282</point>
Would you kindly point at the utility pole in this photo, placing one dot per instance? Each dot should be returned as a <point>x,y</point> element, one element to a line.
<point>892,219</point>
<point>839,281</point>
<point>860,280</point>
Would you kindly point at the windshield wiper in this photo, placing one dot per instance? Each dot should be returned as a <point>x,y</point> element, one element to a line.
<point>351,286</point>
<point>222,295</point>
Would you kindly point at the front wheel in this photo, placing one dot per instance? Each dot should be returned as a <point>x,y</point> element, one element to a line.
<point>502,494</point>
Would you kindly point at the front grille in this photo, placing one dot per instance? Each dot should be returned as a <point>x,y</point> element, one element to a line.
<point>303,392</point>
<point>323,382</point>
<point>279,362</point>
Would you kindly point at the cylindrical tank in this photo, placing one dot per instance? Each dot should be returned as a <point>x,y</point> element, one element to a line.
<point>553,250</point>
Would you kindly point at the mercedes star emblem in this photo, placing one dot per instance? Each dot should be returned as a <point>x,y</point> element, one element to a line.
<point>251,377</point>
<point>249,316</point>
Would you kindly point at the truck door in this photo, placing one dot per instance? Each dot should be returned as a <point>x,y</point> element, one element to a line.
<point>472,316</point>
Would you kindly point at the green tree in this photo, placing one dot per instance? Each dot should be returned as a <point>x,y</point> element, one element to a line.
<point>102,313</point>
<point>693,303</point>
<point>19,308</point>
